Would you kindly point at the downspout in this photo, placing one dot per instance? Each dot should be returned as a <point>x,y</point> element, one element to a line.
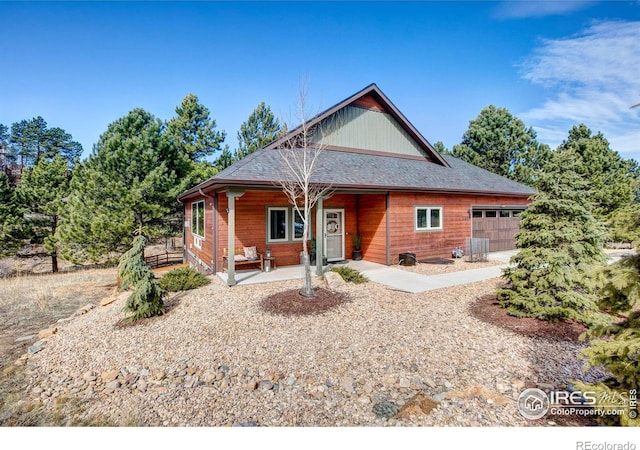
<point>213,233</point>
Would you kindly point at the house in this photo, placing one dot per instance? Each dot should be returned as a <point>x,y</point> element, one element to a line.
<point>388,184</point>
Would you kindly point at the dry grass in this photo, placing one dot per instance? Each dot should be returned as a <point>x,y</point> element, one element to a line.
<point>31,303</point>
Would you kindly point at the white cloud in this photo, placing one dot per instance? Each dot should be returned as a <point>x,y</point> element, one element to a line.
<point>591,78</point>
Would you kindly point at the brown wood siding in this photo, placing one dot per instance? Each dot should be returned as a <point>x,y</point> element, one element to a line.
<point>372,226</point>
<point>369,102</point>
<point>438,243</point>
<point>202,259</point>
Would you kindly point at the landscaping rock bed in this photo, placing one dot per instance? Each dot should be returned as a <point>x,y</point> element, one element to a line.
<point>218,359</point>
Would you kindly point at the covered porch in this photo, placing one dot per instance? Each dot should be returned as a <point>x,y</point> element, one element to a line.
<point>264,219</point>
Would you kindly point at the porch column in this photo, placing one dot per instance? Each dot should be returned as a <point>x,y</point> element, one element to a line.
<point>319,235</point>
<point>231,236</point>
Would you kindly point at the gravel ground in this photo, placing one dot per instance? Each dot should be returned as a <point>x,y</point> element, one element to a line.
<point>217,359</point>
<point>457,265</point>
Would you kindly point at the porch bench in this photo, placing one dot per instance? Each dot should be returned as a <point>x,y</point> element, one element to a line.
<point>243,261</point>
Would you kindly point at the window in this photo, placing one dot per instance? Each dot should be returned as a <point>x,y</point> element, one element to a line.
<point>428,218</point>
<point>491,214</point>
<point>277,224</point>
<point>516,213</point>
<point>505,214</point>
<point>298,225</point>
<point>476,214</point>
<point>197,218</point>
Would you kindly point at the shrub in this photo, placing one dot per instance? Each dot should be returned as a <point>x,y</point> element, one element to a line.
<point>183,279</point>
<point>350,275</point>
<point>147,297</point>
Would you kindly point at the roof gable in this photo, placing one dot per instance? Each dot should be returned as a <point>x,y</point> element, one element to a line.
<point>368,122</point>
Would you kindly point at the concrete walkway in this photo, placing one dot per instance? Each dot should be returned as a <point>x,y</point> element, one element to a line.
<point>414,283</point>
<point>391,277</point>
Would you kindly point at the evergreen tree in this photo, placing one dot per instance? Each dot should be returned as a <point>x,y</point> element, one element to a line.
<point>147,297</point>
<point>440,148</point>
<point>41,194</point>
<point>12,229</point>
<point>619,349</point>
<point>259,130</point>
<point>500,142</point>
<point>32,140</point>
<point>125,185</point>
<point>194,131</point>
<point>559,240</point>
<point>612,182</point>
<point>225,159</point>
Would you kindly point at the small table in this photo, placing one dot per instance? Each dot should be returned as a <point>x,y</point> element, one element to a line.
<point>272,261</point>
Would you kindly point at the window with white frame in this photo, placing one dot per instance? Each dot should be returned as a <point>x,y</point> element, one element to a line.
<point>277,224</point>
<point>428,218</point>
<point>197,218</point>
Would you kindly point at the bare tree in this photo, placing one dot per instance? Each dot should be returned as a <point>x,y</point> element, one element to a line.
<point>300,158</point>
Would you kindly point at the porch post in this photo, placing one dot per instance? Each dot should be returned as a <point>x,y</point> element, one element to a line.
<point>231,237</point>
<point>319,235</point>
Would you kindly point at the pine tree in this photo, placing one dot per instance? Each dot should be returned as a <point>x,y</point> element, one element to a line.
<point>612,182</point>
<point>194,131</point>
<point>499,142</point>
<point>559,241</point>
<point>147,297</point>
<point>41,194</point>
<point>225,159</point>
<point>12,227</point>
<point>259,130</point>
<point>619,349</point>
<point>125,185</point>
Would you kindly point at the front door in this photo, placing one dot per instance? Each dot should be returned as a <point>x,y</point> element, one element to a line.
<point>334,234</point>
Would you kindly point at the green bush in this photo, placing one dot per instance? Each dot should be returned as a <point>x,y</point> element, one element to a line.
<point>350,275</point>
<point>183,279</point>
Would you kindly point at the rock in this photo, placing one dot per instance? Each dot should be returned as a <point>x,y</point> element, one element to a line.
<point>160,375</point>
<point>110,375</point>
<point>448,385</point>
<point>209,376</point>
<point>144,373</point>
<point>389,380</point>
<point>546,387</point>
<point>290,381</point>
<point>501,387</point>
<point>265,385</point>
<point>329,384</point>
<point>35,348</point>
<point>480,392</point>
<point>420,404</point>
<point>386,409</point>
<point>439,396</point>
<point>124,296</point>
<point>429,382</point>
<point>334,280</point>
<point>364,400</point>
<point>346,383</point>
<point>112,385</point>
<point>517,384</point>
<point>25,338</point>
<point>246,424</point>
<point>404,383</point>
<point>368,387</point>
<point>89,376</point>
<point>191,370</point>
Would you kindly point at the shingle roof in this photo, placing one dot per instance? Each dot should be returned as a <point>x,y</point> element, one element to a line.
<point>359,171</point>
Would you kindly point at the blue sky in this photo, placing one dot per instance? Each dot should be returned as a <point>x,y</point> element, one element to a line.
<point>553,64</point>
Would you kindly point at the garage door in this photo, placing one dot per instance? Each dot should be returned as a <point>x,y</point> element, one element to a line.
<point>497,225</point>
